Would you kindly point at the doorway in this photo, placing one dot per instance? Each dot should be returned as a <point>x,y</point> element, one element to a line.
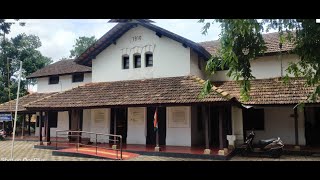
<point>121,123</point>
<point>312,126</point>
<point>151,134</point>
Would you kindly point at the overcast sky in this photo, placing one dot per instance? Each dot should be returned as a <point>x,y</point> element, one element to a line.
<point>59,35</point>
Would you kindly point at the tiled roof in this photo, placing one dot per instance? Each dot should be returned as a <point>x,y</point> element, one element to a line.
<point>171,90</point>
<point>59,68</point>
<point>271,40</point>
<point>11,105</point>
<point>270,91</point>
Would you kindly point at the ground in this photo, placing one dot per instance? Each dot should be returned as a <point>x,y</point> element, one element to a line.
<point>24,151</point>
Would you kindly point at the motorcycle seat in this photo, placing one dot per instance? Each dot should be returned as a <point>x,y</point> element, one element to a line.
<point>266,141</point>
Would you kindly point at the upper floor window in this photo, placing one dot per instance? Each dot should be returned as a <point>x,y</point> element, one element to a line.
<point>53,79</point>
<point>220,66</point>
<point>149,59</point>
<point>125,62</point>
<point>137,61</point>
<point>78,77</point>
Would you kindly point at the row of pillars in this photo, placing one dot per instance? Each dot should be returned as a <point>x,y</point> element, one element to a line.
<point>222,127</point>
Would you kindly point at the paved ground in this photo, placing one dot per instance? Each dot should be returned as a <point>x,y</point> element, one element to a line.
<point>24,151</point>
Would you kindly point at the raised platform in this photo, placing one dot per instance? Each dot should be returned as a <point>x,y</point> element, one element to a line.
<point>131,151</point>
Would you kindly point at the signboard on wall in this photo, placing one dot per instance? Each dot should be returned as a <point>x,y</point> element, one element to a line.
<point>178,118</point>
<point>5,117</point>
<point>99,115</point>
<point>136,116</point>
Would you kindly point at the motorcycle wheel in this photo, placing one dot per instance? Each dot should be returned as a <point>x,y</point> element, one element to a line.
<point>276,153</point>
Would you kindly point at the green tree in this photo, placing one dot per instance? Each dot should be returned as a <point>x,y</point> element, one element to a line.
<point>22,47</point>
<point>82,44</point>
<point>241,41</point>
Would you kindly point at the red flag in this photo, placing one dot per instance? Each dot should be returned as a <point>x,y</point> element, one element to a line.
<point>155,120</point>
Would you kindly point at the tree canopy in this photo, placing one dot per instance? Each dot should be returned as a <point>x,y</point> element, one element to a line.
<point>22,47</point>
<point>241,41</point>
<point>82,44</point>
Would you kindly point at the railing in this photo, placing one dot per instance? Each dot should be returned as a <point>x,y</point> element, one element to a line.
<point>116,139</point>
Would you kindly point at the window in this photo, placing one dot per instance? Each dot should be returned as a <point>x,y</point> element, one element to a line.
<point>218,63</point>
<point>125,62</point>
<point>253,119</point>
<point>77,77</point>
<point>137,61</point>
<point>53,79</point>
<point>149,59</point>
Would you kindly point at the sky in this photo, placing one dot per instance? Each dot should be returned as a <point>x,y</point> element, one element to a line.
<point>59,35</point>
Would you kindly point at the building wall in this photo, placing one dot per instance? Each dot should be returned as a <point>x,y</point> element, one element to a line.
<point>170,58</point>
<point>100,123</point>
<point>278,123</point>
<point>237,124</point>
<point>178,126</point>
<point>65,83</point>
<point>137,125</point>
<point>194,66</point>
<point>263,67</point>
<point>62,124</point>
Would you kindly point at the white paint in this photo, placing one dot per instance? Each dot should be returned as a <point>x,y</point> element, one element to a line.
<point>136,125</point>
<point>178,136</point>
<point>278,123</point>
<point>263,67</point>
<point>197,134</point>
<point>237,124</point>
<point>194,67</point>
<point>62,124</point>
<point>99,126</point>
<point>86,122</point>
<point>170,58</point>
<point>65,83</point>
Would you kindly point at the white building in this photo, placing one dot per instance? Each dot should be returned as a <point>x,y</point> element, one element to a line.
<point>138,67</point>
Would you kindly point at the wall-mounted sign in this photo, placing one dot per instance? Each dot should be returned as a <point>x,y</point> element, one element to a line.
<point>136,116</point>
<point>99,114</point>
<point>178,117</point>
<point>5,117</point>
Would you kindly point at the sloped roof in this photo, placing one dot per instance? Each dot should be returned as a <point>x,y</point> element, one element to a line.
<point>117,31</point>
<point>270,91</point>
<point>171,90</point>
<point>11,105</point>
<point>271,39</point>
<point>60,68</point>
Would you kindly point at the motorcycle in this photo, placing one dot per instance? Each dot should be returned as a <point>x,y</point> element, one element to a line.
<point>269,147</point>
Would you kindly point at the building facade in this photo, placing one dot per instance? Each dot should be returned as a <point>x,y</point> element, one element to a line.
<point>137,68</point>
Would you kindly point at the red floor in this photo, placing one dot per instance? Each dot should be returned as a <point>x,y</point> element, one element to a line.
<point>112,154</point>
<point>106,153</point>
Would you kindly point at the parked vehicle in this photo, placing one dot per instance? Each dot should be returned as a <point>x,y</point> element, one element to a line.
<point>268,147</point>
<point>2,134</point>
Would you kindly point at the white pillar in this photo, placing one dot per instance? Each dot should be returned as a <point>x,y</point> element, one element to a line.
<point>237,125</point>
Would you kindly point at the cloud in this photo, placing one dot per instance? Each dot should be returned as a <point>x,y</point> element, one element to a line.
<point>59,35</point>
